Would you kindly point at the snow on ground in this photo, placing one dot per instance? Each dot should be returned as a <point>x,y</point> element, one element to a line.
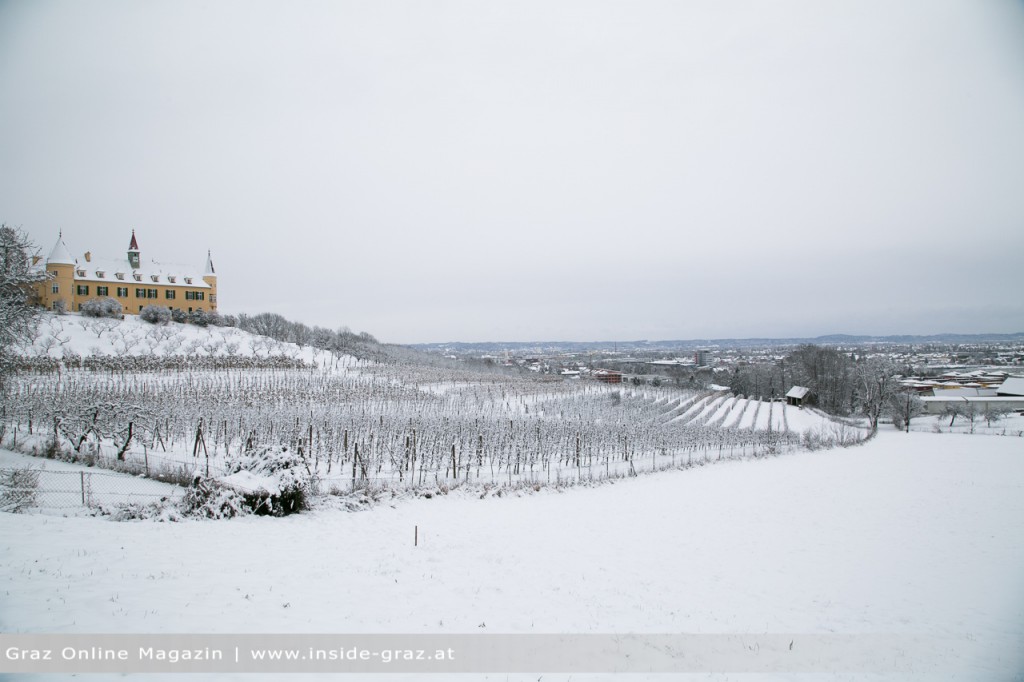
<point>910,533</point>
<point>801,419</point>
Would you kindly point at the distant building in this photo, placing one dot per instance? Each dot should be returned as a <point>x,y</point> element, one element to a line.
<point>702,357</point>
<point>608,376</point>
<point>131,280</point>
<point>941,404</point>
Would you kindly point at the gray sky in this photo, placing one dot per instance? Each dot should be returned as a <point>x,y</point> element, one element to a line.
<point>573,170</point>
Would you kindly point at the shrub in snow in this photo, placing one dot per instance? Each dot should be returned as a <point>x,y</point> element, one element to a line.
<point>199,318</point>
<point>102,307</point>
<point>138,511</point>
<point>208,500</point>
<point>273,480</point>
<point>156,314</point>
<point>18,489</point>
<point>179,315</point>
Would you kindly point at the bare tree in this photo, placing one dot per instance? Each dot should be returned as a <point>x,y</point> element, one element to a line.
<point>904,406</point>
<point>994,413</point>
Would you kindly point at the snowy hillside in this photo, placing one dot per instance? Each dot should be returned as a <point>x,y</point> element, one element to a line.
<point>59,336</point>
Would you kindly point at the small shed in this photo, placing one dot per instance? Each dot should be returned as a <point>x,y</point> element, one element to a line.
<point>797,395</point>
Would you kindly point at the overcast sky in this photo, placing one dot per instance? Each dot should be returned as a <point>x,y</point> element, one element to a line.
<point>550,170</point>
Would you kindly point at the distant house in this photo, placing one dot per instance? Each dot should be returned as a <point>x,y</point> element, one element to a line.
<point>797,395</point>
<point>608,376</point>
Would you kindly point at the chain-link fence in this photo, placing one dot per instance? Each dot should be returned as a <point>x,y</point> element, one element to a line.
<point>22,489</point>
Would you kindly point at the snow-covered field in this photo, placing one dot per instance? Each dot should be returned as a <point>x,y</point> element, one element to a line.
<point>914,533</point>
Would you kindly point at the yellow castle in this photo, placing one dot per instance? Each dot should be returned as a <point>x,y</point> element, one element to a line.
<point>132,281</point>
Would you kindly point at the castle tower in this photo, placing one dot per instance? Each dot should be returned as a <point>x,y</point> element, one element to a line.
<point>59,290</point>
<point>210,277</point>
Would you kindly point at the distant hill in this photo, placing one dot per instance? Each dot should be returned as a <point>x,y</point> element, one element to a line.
<point>693,344</point>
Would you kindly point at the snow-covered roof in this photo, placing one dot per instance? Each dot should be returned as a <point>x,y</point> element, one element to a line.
<point>92,269</point>
<point>149,272</point>
<point>798,392</point>
<point>1004,399</point>
<point>966,391</point>
<point>1012,386</point>
<point>60,254</point>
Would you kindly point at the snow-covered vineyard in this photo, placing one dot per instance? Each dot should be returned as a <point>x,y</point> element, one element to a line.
<point>355,425</point>
<point>834,541</point>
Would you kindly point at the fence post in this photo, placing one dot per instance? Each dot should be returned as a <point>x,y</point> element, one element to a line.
<point>82,474</point>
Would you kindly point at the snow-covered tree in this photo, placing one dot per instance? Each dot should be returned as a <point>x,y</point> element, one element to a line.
<point>877,384</point>
<point>18,316</point>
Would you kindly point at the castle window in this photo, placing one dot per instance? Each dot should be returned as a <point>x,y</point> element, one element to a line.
<point>171,278</point>
<point>81,273</point>
<point>102,291</point>
<point>53,273</point>
<point>155,278</point>
<point>101,274</point>
<point>119,275</point>
<point>138,277</point>
<point>195,295</point>
<point>169,294</point>
<point>140,293</point>
<point>151,293</point>
<point>188,280</point>
<point>83,289</point>
<point>122,292</point>
<point>55,289</point>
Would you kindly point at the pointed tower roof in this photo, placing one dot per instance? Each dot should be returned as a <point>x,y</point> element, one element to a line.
<point>134,245</point>
<point>209,265</point>
<point>60,255</point>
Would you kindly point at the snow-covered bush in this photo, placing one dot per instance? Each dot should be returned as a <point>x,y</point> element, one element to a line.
<point>179,315</point>
<point>209,500</point>
<point>156,314</point>
<point>273,480</point>
<point>160,510</point>
<point>102,307</point>
<point>199,318</point>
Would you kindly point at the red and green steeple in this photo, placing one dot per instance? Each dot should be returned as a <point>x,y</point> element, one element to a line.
<point>133,252</point>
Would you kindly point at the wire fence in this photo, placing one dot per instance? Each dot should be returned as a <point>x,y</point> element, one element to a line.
<point>21,489</point>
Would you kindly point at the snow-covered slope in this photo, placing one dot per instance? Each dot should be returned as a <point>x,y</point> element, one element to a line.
<point>73,334</point>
